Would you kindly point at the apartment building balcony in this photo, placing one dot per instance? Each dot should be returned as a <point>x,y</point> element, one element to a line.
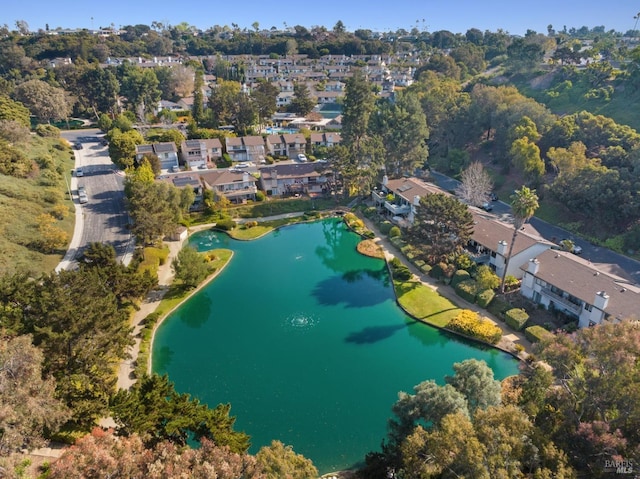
<point>558,299</point>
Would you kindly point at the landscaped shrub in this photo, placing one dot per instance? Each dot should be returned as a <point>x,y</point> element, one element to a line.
<point>511,283</point>
<point>498,308</point>
<point>436,271</point>
<point>368,234</point>
<point>260,196</point>
<point>385,227</point>
<point>472,324</point>
<point>468,290</point>
<point>426,268</point>
<point>226,224</point>
<point>487,278</point>
<point>516,318</point>
<point>408,251</point>
<point>399,271</point>
<point>398,242</point>
<point>370,211</point>
<point>484,297</point>
<point>459,276</point>
<point>47,131</point>
<point>250,224</point>
<point>353,221</point>
<point>537,333</point>
<point>394,232</point>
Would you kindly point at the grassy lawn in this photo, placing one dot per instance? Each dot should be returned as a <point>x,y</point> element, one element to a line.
<point>242,233</point>
<point>178,293</point>
<point>425,304</point>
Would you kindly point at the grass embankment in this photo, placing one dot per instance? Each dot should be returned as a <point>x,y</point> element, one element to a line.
<point>175,295</point>
<point>424,303</point>
<point>23,200</point>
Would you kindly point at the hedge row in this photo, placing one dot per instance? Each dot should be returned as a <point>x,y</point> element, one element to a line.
<point>472,324</point>
<point>516,318</point>
<point>459,276</point>
<point>485,297</point>
<point>399,271</point>
<point>467,290</point>
<point>537,333</point>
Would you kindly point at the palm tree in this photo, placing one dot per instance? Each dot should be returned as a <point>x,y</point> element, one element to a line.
<point>524,203</point>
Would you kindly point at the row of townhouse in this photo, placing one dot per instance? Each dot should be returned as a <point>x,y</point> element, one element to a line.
<point>554,279</point>
<point>290,145</point>
<point>240,187</point>
<point>197,154</point>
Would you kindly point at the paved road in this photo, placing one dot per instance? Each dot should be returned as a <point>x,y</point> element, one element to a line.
<point>607,260</point>
<point>104,218</point>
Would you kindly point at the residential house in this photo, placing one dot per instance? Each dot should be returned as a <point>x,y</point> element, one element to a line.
<point>168,105</point>
<point>288,144</point>
<point>276,145</point>
<point>199,153</point>
<point>327,139</point>
<point>295,143</point>
<point>400,198</point>
<point>187,180</point>
<point>291,179</point>
<point>284,98</point>
<point>237,187</point>
<point>166,152</point>
<point>561,281</point>
<point>323,97</point>
<point>246,148</point>
<point>490,240</point>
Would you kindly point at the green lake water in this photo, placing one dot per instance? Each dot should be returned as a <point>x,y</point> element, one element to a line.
<point>302,335</point>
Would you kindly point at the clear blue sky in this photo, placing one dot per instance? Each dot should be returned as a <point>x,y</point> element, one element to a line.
<point>514,16</point>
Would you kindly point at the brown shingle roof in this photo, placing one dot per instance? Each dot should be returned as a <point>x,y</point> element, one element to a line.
<point>293,170</point>
<point>488,232</point>
<point>581,279</point>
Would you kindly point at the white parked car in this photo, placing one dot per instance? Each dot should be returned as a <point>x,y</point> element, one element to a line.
<point>242,165</point>
<point>79,172</point>
<point>302,158</point>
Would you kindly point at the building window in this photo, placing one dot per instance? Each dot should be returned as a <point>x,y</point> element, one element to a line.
<point>588,307</point>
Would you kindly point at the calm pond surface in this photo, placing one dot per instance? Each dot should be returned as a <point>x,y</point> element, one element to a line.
<point>302,335</point>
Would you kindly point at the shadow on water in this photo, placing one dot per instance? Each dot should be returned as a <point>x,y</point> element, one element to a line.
<point>196,316</point>
<point>356,289</point>
<point>162,358</point>
<point>374,334</point>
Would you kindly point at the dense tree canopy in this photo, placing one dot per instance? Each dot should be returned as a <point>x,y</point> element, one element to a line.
<point>442,226</point>
<point>156,412</point>
<point>28,407</point>
<point>43,100</point>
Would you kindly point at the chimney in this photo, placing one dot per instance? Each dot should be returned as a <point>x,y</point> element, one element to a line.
<point>601,300</point>
<point>385,180</point>
<point>502,248</point>
<point>416,200</point>
<point>534,266</point>
<point>245,177</point>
